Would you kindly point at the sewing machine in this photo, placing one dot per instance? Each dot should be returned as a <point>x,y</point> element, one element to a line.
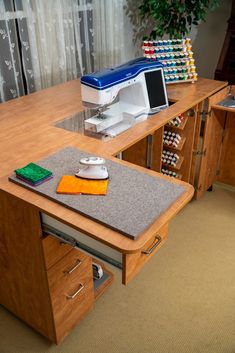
<point>124,95</point>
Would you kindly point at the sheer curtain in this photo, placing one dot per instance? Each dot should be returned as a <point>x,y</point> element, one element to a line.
<point>43,43</point>
<point>109,42</point>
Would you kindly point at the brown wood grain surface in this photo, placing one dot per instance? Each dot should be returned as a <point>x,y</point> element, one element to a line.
<point>134,262</point>
<point>24,289</point>
<point>211,147</point>
<point>54,250</point>
<point>227,161</point>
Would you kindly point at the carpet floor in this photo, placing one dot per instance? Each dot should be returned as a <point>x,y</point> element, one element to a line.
<point>183,301</point>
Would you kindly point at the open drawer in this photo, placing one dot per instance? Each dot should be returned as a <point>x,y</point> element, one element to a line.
<point>129,263</point>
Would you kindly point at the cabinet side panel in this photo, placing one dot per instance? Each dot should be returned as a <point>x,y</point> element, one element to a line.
<point>227,165</point>
<point>137,154</point>
<point>213,136</point>
<point>196,145</point>
<point>3,241</point>
<point>157,150</point>
<point>187,152</point>
<point>24,289</point>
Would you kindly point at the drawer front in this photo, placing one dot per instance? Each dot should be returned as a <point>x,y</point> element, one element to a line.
<point>132,263</point>
<point>71,289</point>
<point>219,96</point>
<point>54,250</point>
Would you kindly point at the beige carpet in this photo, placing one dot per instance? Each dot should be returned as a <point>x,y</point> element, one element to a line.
<point>182,301</point>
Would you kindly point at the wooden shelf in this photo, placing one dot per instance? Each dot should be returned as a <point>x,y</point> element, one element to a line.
<point>181,127</point>
<point>181,81</point>
<point>179,147</point>
<point>179,176</point>
<point>178,164</point>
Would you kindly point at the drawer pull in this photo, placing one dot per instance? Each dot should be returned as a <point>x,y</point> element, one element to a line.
<point>72,296</point>
<point>68,272</point>
<point>149,251</point>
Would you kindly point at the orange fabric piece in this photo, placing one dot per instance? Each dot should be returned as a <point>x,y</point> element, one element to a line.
<point>70,184</point>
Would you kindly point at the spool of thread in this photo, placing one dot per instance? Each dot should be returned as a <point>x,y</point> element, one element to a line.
<point>167,79</point>
<point>192,61</point>
<point>190,76</point>
<point>187,41</point>
<point>193,68</point>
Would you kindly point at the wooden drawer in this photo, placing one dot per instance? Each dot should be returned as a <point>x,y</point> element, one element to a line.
<point>54,250</point>
<point>71,288</point>
<point>132,263</point>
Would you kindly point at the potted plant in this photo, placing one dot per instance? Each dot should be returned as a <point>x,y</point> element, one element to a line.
<point>167,17</point>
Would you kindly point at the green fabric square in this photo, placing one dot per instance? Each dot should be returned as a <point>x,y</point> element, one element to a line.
<point>33,173</point>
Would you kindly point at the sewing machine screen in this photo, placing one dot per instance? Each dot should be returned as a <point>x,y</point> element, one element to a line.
<point>156,89</point>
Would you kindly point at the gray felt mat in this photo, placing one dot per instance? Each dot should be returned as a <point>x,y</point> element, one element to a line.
<point>133,201</point>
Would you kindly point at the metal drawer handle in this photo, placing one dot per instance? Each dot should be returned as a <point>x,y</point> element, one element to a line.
<point>147,252</point>
<point>72,296</point>
<point>68,272</point>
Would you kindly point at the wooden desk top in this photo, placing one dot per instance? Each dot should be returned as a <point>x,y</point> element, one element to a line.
<point>28,134</point>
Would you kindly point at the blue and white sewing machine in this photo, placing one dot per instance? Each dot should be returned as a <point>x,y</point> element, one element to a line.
<point>123,95</point>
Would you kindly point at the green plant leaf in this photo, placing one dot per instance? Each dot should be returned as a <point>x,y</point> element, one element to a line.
<point>172,17</point>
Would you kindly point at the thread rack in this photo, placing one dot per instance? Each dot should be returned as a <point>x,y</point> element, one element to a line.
<point>176,56</point>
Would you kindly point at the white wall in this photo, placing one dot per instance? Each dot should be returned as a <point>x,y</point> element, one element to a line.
<point>208,38</point>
